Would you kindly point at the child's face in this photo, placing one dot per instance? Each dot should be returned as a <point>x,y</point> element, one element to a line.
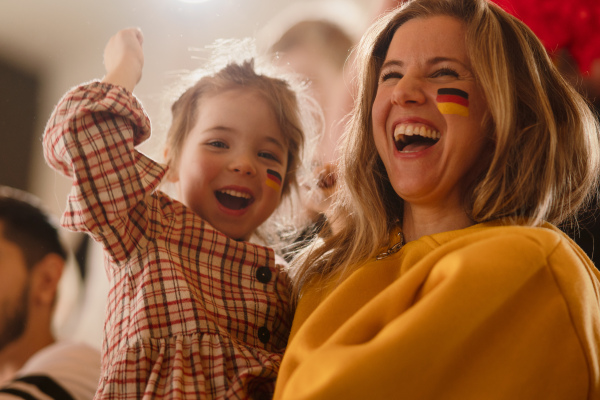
<point>233,163</point>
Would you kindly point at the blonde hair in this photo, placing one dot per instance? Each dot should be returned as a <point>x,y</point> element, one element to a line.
<point>545,159</point>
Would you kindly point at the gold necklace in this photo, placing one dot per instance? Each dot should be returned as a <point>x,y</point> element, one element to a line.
<point>392,249</point>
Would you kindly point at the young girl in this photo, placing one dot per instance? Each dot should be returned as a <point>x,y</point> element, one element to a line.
<point>194,310</point>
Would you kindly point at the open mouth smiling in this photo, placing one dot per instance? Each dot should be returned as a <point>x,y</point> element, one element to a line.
<point>234,199</point>
<point>410,138</point>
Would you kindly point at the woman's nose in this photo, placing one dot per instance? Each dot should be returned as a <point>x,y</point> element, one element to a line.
<point>408,90</point>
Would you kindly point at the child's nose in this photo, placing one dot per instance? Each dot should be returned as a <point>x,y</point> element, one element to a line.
<point>243,165</point>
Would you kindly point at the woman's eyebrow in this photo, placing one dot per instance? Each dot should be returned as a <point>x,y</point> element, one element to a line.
<point>431,61</point>
<point>395,63</point>
<point>438,60</point>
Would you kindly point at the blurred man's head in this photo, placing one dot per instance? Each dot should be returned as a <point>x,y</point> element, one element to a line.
<point>31,262</point>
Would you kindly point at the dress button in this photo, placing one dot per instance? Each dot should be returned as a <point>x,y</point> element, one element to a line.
<point>263,334</point>
<point>263,274</point>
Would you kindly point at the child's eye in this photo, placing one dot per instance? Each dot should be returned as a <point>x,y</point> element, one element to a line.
<point>218,143</point>
<point>445,72</point>
<point>267,155</point>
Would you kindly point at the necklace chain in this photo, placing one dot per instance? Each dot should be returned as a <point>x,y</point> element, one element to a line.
<point>392,249</point>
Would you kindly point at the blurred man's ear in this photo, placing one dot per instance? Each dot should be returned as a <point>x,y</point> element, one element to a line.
<point>45,276</point>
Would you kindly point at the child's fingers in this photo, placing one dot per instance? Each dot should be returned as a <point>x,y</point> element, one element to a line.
<point>131,36</point>
<point>139,35</point>
<point>124,58</point>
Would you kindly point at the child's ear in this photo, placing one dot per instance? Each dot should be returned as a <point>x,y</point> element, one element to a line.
<point>172,174</point>
<point>45,277</point>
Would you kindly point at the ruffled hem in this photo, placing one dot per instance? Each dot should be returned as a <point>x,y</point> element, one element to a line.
<point>191,367</point>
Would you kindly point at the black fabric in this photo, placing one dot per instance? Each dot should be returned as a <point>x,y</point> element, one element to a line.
<point>81,255</point>
<point>44,383</point>
<point>18,393</point>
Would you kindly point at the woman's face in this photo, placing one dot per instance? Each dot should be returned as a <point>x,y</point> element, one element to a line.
<point>428,113</point>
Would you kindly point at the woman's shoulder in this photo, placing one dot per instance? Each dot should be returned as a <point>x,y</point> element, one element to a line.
<point>512,256</point>
<point>517,248</point>
<point>499,242</point>
<point>545,237</point>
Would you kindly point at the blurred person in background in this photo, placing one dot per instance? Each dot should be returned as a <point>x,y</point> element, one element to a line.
<point>316,46</point>
<point>33,363</point>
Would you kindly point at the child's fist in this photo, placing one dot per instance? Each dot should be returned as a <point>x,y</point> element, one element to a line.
<point>124,58</point>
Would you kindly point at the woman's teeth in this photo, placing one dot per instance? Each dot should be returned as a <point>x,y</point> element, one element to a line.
<point>412,130</point>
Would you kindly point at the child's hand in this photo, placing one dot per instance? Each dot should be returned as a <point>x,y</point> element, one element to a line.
<point>124,58</point>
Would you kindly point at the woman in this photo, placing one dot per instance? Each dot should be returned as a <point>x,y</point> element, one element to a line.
<point>448,278</point>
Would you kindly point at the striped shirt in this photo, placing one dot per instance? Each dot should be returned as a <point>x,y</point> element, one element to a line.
<point>63,370</point>
<point>34,387</point>
<point>191,313</point>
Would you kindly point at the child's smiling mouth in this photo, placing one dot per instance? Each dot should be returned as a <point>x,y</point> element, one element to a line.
<point>233,199</point>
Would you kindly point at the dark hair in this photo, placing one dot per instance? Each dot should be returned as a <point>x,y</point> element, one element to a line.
<point>26,224</point>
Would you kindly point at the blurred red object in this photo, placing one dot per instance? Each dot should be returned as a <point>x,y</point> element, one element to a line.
<point>571,25</point>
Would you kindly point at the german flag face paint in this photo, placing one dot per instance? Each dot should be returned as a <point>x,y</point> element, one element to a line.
<point>453,101</point>
<point>273,180</point>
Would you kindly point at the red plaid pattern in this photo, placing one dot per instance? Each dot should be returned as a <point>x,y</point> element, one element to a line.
<point>187,314</point>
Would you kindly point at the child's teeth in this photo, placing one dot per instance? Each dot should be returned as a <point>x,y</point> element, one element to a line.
<point>236,193</point>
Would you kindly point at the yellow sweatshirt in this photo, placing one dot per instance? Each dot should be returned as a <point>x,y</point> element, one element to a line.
<point>487,312</point>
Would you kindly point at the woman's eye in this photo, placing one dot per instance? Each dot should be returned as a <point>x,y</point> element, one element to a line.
<point>445,72</point>
<point>267,155</point>
<point>391,75</point>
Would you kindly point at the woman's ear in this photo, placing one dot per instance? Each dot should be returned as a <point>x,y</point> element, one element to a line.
<point>45,277</point>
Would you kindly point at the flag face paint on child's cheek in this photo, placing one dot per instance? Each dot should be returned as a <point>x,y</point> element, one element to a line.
<point>453,101</point>
<point>273,180</point>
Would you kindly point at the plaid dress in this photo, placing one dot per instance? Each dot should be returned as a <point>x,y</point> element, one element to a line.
<point>191,313</point>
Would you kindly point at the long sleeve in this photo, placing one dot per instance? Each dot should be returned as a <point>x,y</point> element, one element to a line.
<point>91,137</point>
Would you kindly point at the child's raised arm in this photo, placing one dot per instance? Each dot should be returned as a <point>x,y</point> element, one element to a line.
<point>91,137</point>
<point>124,58</point>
